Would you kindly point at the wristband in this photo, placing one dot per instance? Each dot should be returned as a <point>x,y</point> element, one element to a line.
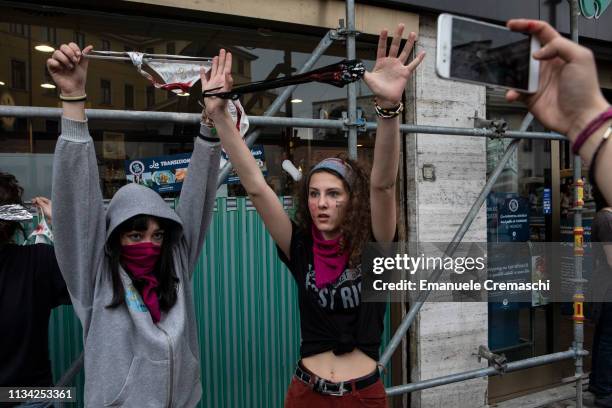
<point>388,113</point>
<point>79,98</point>
<point>209,134</point>
<point>590,129</point>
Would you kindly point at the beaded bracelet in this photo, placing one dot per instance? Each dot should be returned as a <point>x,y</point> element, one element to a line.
<point>388,113</point>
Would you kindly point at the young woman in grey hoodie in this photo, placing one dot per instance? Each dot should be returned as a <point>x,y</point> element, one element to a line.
<point>129,270</point>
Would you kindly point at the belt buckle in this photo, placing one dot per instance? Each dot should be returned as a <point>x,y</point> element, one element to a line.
<point>322,387</point>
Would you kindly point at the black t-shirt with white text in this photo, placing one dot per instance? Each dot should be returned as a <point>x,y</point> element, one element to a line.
<point>333,317</point>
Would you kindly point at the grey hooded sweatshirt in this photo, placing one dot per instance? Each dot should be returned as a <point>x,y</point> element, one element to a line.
<point>129,360</point>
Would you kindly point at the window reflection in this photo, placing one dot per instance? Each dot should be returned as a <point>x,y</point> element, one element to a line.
<point>115,85</point>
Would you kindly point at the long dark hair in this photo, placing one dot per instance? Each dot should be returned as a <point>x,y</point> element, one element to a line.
<point>355,227</point>
<point>10,193</point>
<point>164,270</point>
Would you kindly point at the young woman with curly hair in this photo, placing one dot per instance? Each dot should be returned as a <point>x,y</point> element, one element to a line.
<point>339,211</point>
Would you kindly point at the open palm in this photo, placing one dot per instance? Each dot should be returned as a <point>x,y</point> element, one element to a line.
<point>390,75</point>
<point>219,77</point>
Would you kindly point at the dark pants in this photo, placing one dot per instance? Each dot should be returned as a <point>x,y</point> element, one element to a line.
<point>300,395</point>
<point>600,380</point>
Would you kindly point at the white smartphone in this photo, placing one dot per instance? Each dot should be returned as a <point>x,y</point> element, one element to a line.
<point>476,52</point>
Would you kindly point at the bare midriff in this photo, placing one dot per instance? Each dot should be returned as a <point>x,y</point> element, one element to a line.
<point>344,367</point>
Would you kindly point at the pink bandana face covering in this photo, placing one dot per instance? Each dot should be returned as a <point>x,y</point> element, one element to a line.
<point>139,260</point>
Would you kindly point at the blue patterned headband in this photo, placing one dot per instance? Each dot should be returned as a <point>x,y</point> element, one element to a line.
<point>338,166</point>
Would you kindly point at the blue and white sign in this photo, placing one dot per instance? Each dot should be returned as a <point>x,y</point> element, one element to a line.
<point>513,220</point>
<point>547,201</point>
<point>258,153</point>
<point>163,174</point>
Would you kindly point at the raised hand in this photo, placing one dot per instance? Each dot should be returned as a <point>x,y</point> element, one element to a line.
<point>219,76</point>
<point>45,205</point>
<point>390,75</point>
<point>68,68</point>
<point>568,95</point>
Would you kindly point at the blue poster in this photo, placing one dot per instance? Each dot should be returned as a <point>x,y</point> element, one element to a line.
<point>547,201</point>
<point>513,220</point>
<point>258,154</point>
<point>163,174</point>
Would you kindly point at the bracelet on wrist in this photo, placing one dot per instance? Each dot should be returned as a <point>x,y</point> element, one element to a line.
<point>590,129</point>
<point>78,98</point>
<point>388,113</point>
<point>209,134</point>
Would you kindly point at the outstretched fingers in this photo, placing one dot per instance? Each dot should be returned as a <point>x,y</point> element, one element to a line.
<point>397,39</point>
<point>381,51</point>
<point>407,47</point>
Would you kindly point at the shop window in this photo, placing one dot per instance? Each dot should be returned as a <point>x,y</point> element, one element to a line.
<point>18,29</point>
<point>79,39</point>
<point>128,94</point>
<point>150,96</point>
<point>18,75</point>
<point>49,35</point>
<point>256,58</point>
<point>105,92</point>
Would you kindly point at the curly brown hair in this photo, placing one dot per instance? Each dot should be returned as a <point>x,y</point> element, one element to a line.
<point>355,231</point>
<point>10,193</point>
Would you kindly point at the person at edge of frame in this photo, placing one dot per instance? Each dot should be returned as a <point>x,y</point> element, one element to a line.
<point>128,270</point>
<point>569,100</point>
<point>339,211</point>
<point>600,289</point>
<point>31,285</point>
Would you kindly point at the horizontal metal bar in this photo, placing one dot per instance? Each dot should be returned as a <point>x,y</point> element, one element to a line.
<point>124,56</point>
<point>484,372</point>
<point>194,118</point>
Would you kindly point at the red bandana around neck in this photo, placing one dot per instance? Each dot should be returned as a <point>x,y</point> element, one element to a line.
<point>329,261</point>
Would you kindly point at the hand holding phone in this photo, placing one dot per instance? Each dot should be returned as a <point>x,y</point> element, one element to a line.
<point>476,52</point>
<point>569,96</point>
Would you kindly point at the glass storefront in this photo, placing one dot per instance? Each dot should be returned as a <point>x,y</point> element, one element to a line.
<point>27,144</point>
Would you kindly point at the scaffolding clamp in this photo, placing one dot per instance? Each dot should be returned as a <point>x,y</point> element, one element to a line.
<point>578,241</point>
<point>578,308</point>
<point>359,124</point>
<point>499,126</point>
<point>499,361</point>
<point>579,193</point>
<point>341,33</point>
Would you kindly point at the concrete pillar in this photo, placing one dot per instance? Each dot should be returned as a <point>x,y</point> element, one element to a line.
<point>445,336</point>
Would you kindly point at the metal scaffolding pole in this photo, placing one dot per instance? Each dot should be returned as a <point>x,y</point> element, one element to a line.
<point>272,121</point>
<point>578,241</point>
<point>323,45</point>
<point>452,246</point>
<point>483,372</point>
<point>351,91</point>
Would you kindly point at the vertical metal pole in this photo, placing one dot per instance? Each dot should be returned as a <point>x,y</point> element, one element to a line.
<point>323,45</point>
<point>578,240</point>
<point>351,90</point>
